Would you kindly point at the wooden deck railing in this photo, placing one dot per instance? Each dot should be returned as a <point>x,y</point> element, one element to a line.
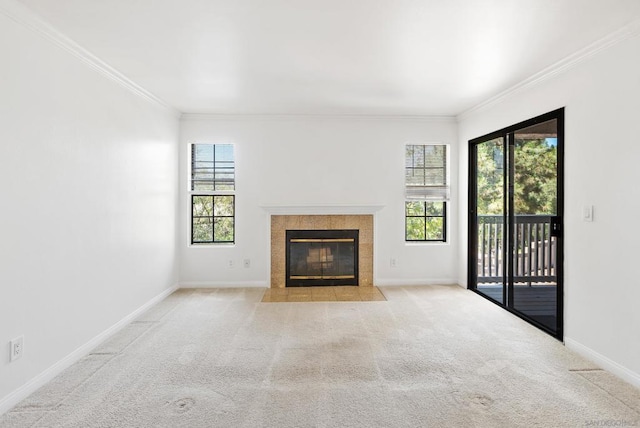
<point>535,249</point>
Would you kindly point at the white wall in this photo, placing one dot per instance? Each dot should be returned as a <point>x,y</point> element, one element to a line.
<point>316,161</point>
<point>602,133</point>
<point>88,194</point>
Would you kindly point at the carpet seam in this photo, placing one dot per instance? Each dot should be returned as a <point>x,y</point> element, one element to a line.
<point>610,394</point>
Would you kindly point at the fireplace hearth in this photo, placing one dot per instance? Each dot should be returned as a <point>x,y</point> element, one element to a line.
<point>321,257</point>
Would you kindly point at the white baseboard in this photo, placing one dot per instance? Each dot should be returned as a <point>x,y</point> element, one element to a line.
<point>604,362</point>
<point>412,282</point>
<point>40,380</point>
<point>224,284</point>
<point>265,284</point>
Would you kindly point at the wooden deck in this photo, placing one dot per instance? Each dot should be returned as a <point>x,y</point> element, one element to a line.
<point>534,260</point>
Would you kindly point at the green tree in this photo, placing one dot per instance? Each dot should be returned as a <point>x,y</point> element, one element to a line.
<point>535,177</point>
<point>425,220</point>
<point>213,218</point>
<point>490,178</point>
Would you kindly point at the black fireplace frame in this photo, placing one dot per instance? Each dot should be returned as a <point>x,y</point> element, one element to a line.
<point>321,234</point>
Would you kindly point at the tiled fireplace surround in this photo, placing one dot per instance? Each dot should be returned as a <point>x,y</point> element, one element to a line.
<point>281,223</point>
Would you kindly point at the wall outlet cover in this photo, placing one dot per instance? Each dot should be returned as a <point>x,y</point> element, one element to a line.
<point>16,347</point>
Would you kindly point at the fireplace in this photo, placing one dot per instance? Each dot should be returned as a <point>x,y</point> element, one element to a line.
<point>321,257</point>
<point>303,221</point>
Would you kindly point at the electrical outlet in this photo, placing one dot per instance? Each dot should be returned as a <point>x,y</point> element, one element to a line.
<point>393,262</point>
<point>230,264</point>
<point>247,263</point>
<point>17,348</point>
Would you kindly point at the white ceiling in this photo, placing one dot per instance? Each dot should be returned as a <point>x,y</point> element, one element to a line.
<point>382,57</point>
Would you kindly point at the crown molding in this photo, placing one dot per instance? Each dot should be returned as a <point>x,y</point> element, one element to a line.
<point>209,117</point>
<point>627,32</point>
<point>22,15</point>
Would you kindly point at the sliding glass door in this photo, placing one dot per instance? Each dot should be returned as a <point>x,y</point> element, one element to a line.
<point>515,212</point>
<point>490,219</point>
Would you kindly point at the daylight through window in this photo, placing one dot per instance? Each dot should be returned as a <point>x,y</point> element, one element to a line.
<point>426,192</point>
<point>212,187</point>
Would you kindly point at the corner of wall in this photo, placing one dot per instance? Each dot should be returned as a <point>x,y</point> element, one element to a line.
<point>6,403</point>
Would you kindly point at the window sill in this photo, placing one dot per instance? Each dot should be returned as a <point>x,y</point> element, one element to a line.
<point>213,245</point>
<point>425,243</point>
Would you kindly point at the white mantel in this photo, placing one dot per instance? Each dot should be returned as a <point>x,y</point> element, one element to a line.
<point>321,209</point>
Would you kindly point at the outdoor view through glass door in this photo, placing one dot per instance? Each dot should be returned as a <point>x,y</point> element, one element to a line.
<point>515,212</point>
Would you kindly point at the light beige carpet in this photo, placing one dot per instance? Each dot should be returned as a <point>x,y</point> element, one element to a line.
<point>436,356</point>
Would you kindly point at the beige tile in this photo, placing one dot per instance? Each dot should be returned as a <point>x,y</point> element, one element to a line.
<point>274,299</point>
<point>293,222</point>
<point>366,266</point>
<point>277,221</point>
<point>373,298</point>
<point>299,298</point>
<point>351,222</point>
<point>275,281</point>
<point>366,279</point>
<point>365,236</point>
<point>308,222</point>
<point>323,294</point>
<point>278,254</point>
<point>322,222</point>
<point>372,294</point>
<point>336,222</point>
<point>366,262</point>
<point>324,298</point>
<point>354,221</point>
<point>348,297</point>
<point>299,291</point>
<point>346,290</point>
<point>279,224</point>
<point>366,250</point>
<point>322,291</point>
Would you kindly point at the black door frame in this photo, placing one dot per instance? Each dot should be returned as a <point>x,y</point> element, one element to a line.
<point>507,134</point>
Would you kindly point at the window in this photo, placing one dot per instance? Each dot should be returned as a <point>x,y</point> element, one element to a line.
<point>426,192</point>
<point>425,221</point>
<point>212,167</point>
<point>212,187</point>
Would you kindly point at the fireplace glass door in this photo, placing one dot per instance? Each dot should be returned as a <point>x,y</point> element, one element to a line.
<point>322,257</point>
